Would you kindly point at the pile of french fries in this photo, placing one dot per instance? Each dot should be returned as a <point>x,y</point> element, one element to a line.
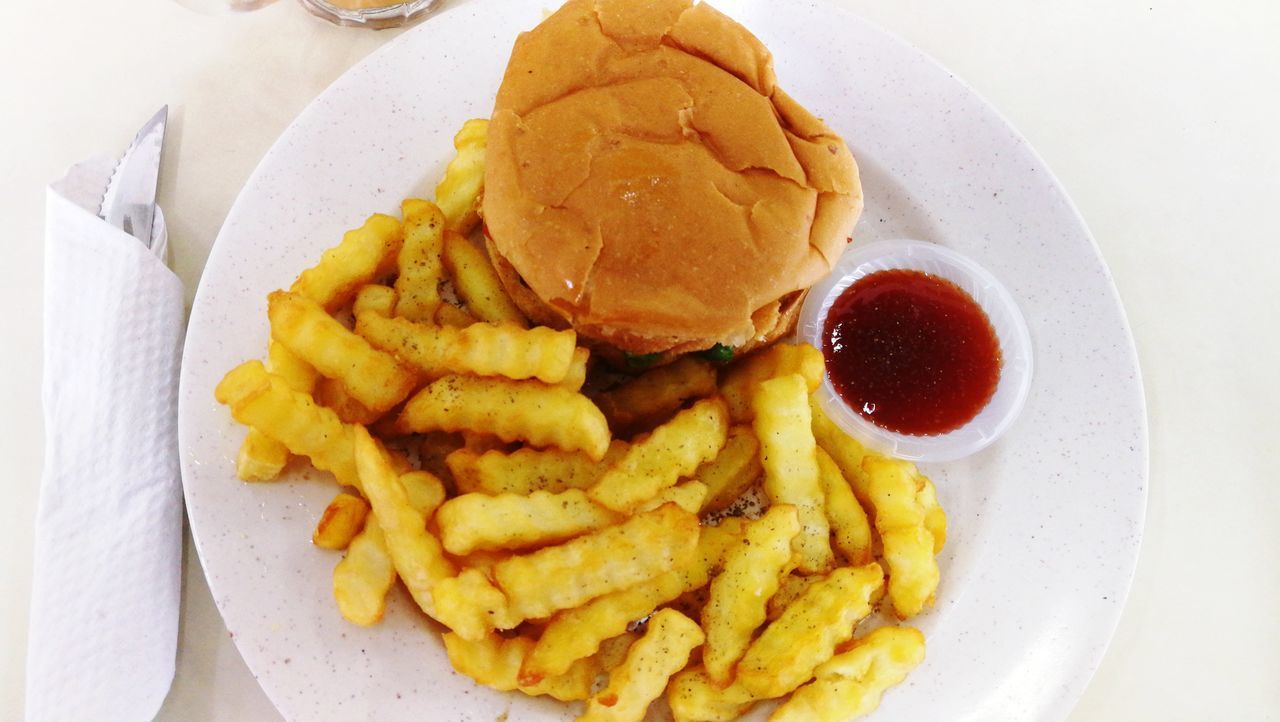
<point>588,548</point>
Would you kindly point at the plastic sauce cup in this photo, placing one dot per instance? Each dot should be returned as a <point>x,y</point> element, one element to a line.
<point>1011,331</point>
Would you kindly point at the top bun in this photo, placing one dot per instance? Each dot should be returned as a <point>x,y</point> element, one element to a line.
<point>650,183</point>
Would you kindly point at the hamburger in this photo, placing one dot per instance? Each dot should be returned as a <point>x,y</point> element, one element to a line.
<point>649,184</point>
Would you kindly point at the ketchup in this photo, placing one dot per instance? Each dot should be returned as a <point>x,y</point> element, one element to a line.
<point>911,352</point>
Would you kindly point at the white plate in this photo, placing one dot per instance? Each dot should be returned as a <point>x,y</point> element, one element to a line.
<point>1045,524</point>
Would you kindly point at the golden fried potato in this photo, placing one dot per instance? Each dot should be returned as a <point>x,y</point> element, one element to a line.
<point>293,418</point>
<point>576,633</point>
<point>687,496</point>
<point>471,605</point>
<point>425,492</point>
<point>330,393</point>
<point>364,575</point>
<point>654,396</point>
<point>789,456</point>
<point>604,561</point>
<point>495,662</point>
<point>752,571</point>
<point>420,262</point>
<point>894,488</point>
<point>481,349</point>
<point>673,450</point>
<point>739,381</point>
<point>363,255</point>
<point>694,697</point>
<point>784,656</point>
<point>733,471</point>
<point>340,522</point>
<point>475,522</point>
<point>458,193</point>
<point>661,652</point>
<point>613,651</point>
<point>576,376</point>
<point>450,315</point>
<point>511,410</point>
<point>845,450</point>
<point>526,470</point>
<point>477,283</point>
<point>372,377</point>
<point>935,519</point>
<point>418,557</point>
<point>261,458</point>
<point>851,684</point>
<point>850,529</point>
<point>789,589</point>
<point>375,299</point>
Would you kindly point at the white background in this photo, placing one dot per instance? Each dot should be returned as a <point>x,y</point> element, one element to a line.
<point>1161,118</point>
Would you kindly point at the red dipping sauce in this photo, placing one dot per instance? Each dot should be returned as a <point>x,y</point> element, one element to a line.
<point>911,352</point>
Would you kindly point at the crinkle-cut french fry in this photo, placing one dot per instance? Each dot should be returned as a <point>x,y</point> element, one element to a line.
<point>663,650</point>
<point>851,684</point>
<point>846,451</point>
<point>298,374</point>
<point>577,633</point>
<point>935,519</point>
<point>687,496</point>
<point>261,458</point>
<point>598,563</point>
<point>475,522</point>
<point>752,571</point>
<point>789,590</point>
<point>372,377</point>
<point>654,396</point>
<point>418,557</point>
<point>420,261</point>
<point>511,410</point>
<point>425,492</point>
<point>694,697</point>
<point>734,470</point>
<point>850,528</point>
<point>458,193</point>
<point>341,520</point>
<point>450,315</point>
<point>576,376</point>
<point>471,606</point>
<point>364,254</point>
<point>789,456</point>
<point>673,450</point>
<point>526,470</point>
<point>483,561</point>
<point>481,349</point>
<point>376,299</point>
<point>330,393</point>
<point>784,656</point>
<point>613,651</point>
<point>739,381</point>
<point>477,283</point>
<point>364,575</point>
<point>495,662</point>
<point>893,487</point>
<point>293,418</point>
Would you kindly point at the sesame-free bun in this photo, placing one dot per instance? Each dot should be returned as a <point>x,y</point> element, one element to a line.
<point>648,183</point>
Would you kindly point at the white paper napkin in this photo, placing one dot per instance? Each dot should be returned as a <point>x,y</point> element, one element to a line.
<point>108,543</point>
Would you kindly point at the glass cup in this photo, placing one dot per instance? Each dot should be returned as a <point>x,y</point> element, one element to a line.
<point>371,13</point>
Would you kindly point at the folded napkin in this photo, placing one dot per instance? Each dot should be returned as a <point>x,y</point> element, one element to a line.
<point>108,541</point>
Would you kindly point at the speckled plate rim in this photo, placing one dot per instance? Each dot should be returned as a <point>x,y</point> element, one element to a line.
<point>1043,550</point>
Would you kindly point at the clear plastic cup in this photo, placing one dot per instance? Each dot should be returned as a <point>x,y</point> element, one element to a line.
<point>384,15</point>
<point>1007,321</point>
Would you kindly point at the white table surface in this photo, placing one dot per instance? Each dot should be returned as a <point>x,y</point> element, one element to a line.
<point>1161,117</point>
